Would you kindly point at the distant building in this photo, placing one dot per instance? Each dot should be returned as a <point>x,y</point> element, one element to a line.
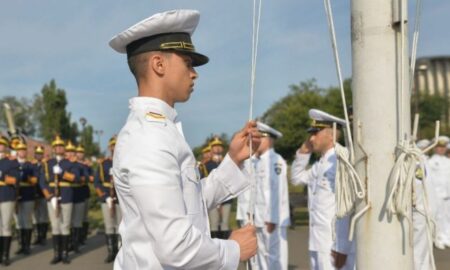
<point>432,77</point>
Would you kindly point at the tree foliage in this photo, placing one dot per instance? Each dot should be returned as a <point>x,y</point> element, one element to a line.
<point>87,140</point>
<point>45,115</point>
<point>431,109</point>
<point>22,113</point>
<point>290,114</point>
<point>53,118</point>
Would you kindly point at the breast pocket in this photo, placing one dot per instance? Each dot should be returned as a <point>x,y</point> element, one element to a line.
<point>192,191</point>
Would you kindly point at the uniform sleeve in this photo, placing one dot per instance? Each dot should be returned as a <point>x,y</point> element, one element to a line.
<point>154,180</point>
<point>224,183</point>
<point>299,174</point>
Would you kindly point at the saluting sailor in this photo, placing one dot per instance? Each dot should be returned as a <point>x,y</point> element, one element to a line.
<point>7,200</point>
<point>320,180</point>
<point>28,178</point>
<point>40,210</point>
<point>163,201</point>
<point>271,215</point>
<point>104,187</point>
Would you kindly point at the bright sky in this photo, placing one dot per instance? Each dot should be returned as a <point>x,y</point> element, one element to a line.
<point>68,41</point>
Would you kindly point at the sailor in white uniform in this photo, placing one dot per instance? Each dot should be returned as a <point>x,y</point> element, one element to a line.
<point>320,179</point>
<point>272,203</point>
<point>423,205</point>
<point>439,177</point>
<point>163,201</point>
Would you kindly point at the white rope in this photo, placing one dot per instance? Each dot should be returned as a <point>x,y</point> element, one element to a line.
<point>255,41</point>
<point>337,62</point>
<point>415,42</point>
<point>349,186</point>
<point>402,76</point>
<point>402,179</point>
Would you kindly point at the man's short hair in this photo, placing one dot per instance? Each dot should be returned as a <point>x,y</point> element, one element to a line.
<point>138,65</point>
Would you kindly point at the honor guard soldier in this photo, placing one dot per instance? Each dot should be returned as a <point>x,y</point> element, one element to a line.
<point>320,180</point>
<point>206,156</point>
<point>163,201</point>
<point>77,199</point>
<point>104,187</point>
<point>86,192</point>
<point>7,200</point>
<point>56,184</point>
<point>272,215</point>
<point>27,182</point>
<point>219,217</point>
<point>439,177</point>
<point>40,210</point>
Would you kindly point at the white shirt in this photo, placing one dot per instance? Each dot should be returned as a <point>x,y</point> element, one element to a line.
<point>163,201</point>
<point>320,179</point>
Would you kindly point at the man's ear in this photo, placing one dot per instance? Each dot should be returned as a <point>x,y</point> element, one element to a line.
<point>157,63</point>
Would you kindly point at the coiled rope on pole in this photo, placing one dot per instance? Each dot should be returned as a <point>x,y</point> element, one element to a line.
<point>349,187</point>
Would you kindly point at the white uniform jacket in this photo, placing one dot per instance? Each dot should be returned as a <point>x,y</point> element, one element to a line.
<point>163,201</point>
<point>272,178</point>
<point>320,179</point>
<point>439,175</point>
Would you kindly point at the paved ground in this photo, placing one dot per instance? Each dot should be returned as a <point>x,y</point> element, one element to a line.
<point>93,254</point>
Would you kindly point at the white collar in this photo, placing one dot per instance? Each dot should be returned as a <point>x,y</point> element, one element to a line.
<point>148,103</point>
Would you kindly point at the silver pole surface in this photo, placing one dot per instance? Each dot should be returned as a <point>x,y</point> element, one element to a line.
<point>381,120</point>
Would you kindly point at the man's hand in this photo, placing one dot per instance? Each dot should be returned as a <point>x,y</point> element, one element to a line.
<point>239,149</point>
<point>306,147</point>
<point>339,259</point>
<point>246,239</point>
<point>270,227</point>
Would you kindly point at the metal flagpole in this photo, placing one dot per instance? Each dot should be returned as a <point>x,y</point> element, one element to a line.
<point>381,101</point>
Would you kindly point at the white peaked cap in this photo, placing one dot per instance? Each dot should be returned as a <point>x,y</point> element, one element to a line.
<point>268,129</point>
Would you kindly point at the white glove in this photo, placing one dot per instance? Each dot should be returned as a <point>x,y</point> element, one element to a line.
<point>110,171</point>
<point>54,202</point>
<point>57,169</point>
<point>109,202</point>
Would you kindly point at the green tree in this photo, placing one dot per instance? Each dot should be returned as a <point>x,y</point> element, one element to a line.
<point>86,139</point>
<point>431,109</point>
<point>22,114</point>
<point>290,114</point>
<point>52,114</point>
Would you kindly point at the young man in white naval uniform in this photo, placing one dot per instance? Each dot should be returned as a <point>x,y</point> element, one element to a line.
<point>272,203</point>
<point>163,201</point>
<point>439,177</point>
<point>320,179</point>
